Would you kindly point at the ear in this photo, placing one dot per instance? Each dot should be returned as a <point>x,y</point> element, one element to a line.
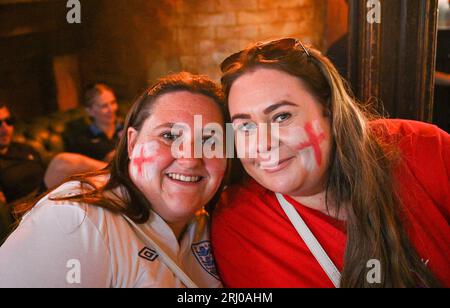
<point>132,137</point>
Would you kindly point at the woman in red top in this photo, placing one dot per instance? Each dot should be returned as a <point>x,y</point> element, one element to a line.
<point>374,195</point>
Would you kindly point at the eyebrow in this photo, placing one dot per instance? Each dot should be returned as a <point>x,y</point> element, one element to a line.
<point>278,105</point>
<point>167,124</point>
<point>266,111</point>
<point>240,116</point>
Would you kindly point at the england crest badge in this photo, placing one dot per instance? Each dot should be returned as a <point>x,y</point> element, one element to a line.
<point>203,254</point>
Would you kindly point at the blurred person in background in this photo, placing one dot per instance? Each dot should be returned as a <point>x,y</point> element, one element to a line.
<point>98,137</point>
<point>21,169</point>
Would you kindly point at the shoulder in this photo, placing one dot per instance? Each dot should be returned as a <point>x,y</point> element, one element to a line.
<point>77,126</point>
<point>404,127</point>
<point>423,164</point>
<point>240,197</point>
<point>408,134</point>
<point>40,251</point>
<point>67,216</point>
<point>421,145</point>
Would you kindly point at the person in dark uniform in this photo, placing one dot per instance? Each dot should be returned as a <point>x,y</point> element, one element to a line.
<point>21,170</point>
<point>96,138</point>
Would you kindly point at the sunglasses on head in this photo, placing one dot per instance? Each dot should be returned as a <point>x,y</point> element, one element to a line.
<point>271,51</point>
<point>9,121</point>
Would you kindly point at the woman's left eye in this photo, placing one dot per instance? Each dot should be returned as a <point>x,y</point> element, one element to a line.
<point>169,136</point>
<point>281,117</point>
<point>209,140</point>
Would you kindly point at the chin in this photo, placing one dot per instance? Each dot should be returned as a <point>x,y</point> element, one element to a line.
<point>183,207</point>
<point>282,186</point>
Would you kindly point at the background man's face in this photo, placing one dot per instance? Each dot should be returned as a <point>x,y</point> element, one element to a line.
<point>6,130</point>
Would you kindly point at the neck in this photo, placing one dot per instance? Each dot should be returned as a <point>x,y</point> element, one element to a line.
<point>317,202</point>
<point>178,229</point>
<point>105,126</point>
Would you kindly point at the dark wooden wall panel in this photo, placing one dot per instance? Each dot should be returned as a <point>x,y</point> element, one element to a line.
<point>394,60</point>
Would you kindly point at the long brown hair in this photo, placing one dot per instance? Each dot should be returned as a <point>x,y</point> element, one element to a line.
<point>360,178</point>
<point>134,204</point>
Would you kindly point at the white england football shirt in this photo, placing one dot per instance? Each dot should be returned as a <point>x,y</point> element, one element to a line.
<point>64,244</point>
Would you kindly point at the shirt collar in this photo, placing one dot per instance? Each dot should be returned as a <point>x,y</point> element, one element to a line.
<point>97,131</point>
<point>158,229</point>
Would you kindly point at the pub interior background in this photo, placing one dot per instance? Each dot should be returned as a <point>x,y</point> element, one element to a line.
<point>45,62</point>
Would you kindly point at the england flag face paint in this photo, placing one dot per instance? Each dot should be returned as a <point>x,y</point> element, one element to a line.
<point>307,141</point>
<point>144,161</point>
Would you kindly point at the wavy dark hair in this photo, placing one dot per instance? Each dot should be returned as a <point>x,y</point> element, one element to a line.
<point>135,205</point>
<point>360,178</point>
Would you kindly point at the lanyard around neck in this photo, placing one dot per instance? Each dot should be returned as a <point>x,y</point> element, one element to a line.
<point>310,241</point>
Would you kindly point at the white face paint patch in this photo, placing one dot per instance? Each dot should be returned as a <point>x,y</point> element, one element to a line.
<point>306,140</point>
<point>143,161</point>
<point>307,159</point>
<point>295,135</point>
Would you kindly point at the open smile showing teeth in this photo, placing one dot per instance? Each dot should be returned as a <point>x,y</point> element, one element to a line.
<point>184,178</point>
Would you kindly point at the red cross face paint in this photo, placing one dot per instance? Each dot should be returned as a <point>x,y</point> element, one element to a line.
<point>309,139</point>
<point>175,185</point>
<point>303,145</point>
<point>144,160</point>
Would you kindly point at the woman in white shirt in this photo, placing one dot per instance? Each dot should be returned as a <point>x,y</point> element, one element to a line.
<point>141,221</point>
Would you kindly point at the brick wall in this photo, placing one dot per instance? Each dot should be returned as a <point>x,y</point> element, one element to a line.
<point>134,42</point>
<point>206,31</point>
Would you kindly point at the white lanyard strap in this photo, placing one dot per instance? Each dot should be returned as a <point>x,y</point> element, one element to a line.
<point>310,241</point>
<point>171,264</point>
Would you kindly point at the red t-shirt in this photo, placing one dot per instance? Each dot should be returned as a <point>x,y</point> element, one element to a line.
<point>255,245</point>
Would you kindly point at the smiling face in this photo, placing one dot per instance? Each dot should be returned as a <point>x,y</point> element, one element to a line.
<point>267,96</point>
<point>104,108</point>
<point>175,187</point>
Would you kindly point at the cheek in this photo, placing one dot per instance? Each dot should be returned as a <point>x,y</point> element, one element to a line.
<point>216,167</point>
<point>246,146</point>
<point>146,161</point>
<point>308,142</point>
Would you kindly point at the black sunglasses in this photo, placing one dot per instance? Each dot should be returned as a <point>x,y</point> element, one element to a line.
<point>271,51</point>
<point>9,121</point>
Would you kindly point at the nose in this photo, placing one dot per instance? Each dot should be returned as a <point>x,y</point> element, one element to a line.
<point>187,157</point>
<point>264,138</point>
<point>189,163</point>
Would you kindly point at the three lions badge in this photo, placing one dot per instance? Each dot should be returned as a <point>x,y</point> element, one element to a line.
<point>203,254</point>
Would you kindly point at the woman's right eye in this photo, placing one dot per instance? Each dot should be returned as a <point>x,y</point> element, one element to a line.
<point>169,136</point>
<point>246,127</point>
